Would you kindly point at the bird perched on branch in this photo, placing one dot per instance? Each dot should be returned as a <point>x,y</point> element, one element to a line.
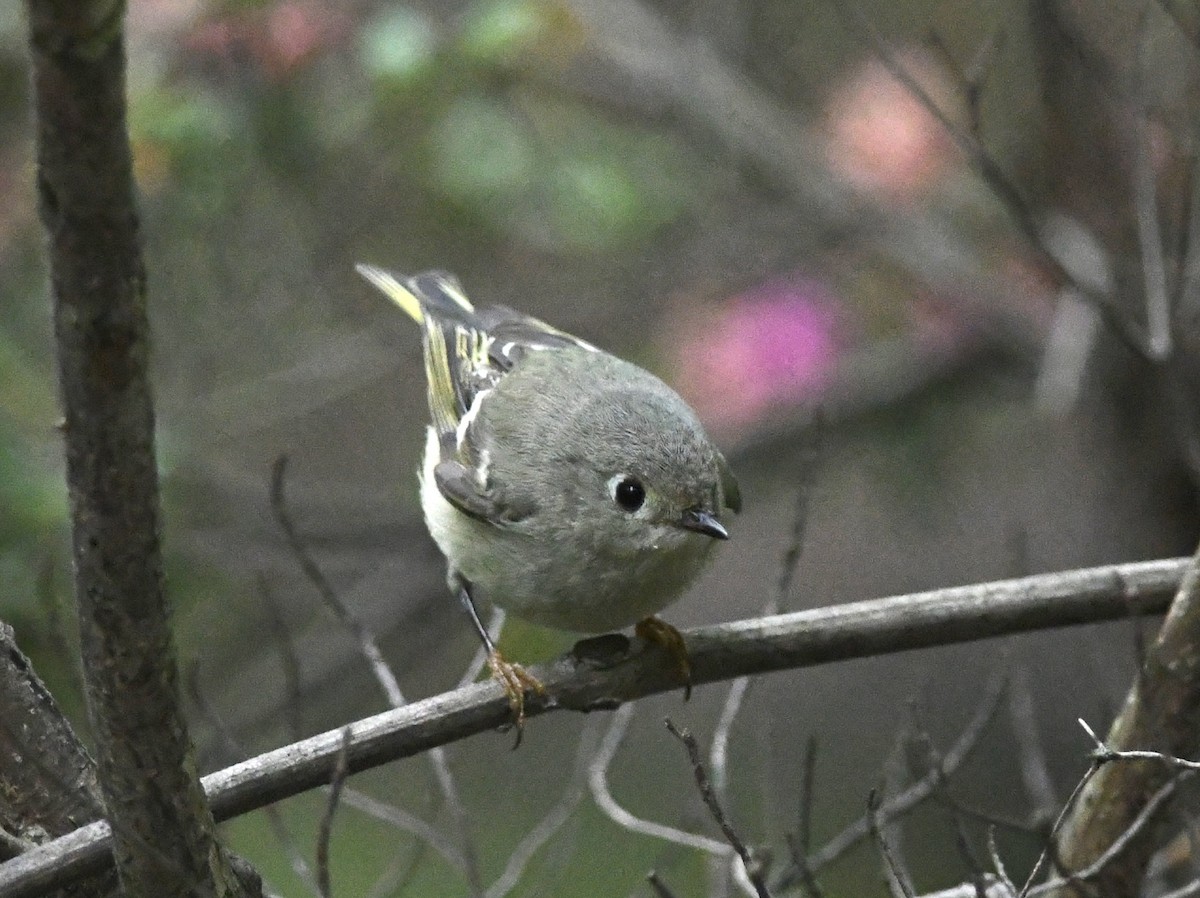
<point>571,488</point>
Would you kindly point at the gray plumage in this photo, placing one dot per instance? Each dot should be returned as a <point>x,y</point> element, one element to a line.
<point>575,489</point>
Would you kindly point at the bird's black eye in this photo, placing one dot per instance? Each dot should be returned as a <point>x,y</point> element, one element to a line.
<point>629,493</point>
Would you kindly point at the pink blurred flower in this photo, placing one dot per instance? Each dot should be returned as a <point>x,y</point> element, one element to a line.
<point>882,139</point>
<point>281,39</point>
<point>775,344</point>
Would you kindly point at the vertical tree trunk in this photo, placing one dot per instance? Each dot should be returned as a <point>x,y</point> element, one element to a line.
<point>163,831</point>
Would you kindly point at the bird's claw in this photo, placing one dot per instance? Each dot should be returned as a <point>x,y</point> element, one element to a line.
<point>515,680</point>
<point>658,631</point>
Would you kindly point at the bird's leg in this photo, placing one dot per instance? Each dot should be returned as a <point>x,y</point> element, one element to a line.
<point>513,678</point>
<point>657,630</point>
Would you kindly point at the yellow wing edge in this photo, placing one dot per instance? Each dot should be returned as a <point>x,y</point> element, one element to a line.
<point>391,287</point>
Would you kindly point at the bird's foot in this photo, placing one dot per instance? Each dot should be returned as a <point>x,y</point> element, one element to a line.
<point>656,630</point>
<point>515,680</point>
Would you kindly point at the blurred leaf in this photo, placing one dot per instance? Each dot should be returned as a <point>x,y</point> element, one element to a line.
<point>183,122</point>
<point>398,45</point>
<point>501,30</point>
<point>560,175</point>
<point>482,153</point>
<point>521,32</point>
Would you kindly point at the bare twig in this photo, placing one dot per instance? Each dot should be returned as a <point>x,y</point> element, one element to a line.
<point>718,752</point>
<point>808,466</point>
<point>367,645</point>
<point>407,821</point>
<point>897,878</point>
<point>718,813</point>
<point>1094,869</point>
<point>809,457</point>
<point>993,175</point>
<point>598,782</point>
<point>325,829</point>
<point>554,819</point>
<point>1146,212</point>
<point>799,845</point>
<point>922,788</point>
<point>292,705</point>
<point>1185,891</point>
<point>234,749</point>
<point>998,864</point>
<point>963,843</point>
<point>1031,755</point>
<point>799,639</point>
<point>1050,846</point>
<point>660,887</point>
<point>1104,754</point>
<point>369,648</point>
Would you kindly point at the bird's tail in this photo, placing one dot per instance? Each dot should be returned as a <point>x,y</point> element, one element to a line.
<point>436,291</point>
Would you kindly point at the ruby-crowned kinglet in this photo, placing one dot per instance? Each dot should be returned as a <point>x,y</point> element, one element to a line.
<point>572,488</point>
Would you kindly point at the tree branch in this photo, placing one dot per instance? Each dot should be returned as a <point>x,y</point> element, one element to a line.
<point>720,652</point>
<point>47,779</point>
<point>1161,714</point>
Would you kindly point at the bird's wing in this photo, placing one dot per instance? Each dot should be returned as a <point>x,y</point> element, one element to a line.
<point>466,354</point>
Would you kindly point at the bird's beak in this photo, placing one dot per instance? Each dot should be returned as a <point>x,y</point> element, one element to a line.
<point>703,522</point>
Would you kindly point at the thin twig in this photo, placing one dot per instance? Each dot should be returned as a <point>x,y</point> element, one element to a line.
<point>598,782</point>
<point>718,753</point>
<point>963,843</point>
<point>800,844</point>
<point>998,864</point>
<point>235,749</point>
<point>1031,754</point>
<point>897,879</point>
<point>922,788</point>
<point>367,645</point>
<point>1092,870</point>
<point>808,464</point>
<point>289,660</point>
<point>810,454</point>
<point>1184,891</point>
<point>1146,213</point>
<point>554,819</point>
<point>369,648</point>
<point>325,828</point>
<point>1048,848</point>
<point>1103,754</point>
<point>407,821</point>
<point>714,807</point>
<point>660,887</point>
<point>992,173</point>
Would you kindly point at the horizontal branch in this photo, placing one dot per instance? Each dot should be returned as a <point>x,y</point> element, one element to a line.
<point>605,672</point>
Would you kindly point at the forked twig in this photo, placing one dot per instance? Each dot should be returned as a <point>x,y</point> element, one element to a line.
<point>753,872</point>
<point>369,648</point>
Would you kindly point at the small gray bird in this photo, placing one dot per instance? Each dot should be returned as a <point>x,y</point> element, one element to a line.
<point>572,488</point>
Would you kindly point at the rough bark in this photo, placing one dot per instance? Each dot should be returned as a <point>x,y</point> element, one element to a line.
<point>47,779</point>
<point>164,842</point>
<point>1161,713</point>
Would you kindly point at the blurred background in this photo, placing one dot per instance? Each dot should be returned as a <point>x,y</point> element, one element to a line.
<point>963,231</point>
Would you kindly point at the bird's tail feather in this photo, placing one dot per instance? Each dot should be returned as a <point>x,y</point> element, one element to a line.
<point>436,291</point>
